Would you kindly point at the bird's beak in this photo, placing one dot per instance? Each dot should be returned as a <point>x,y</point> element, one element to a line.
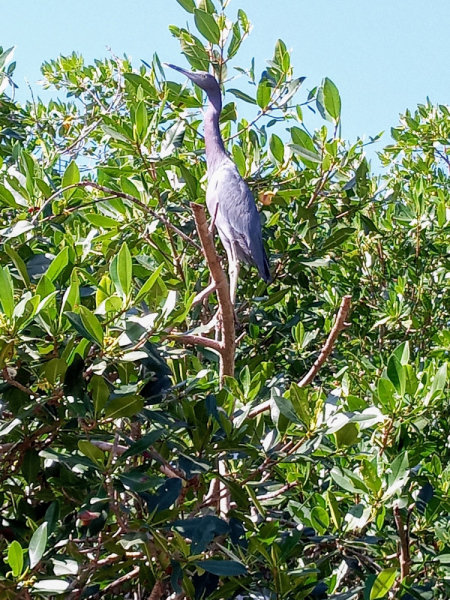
<point>184,71</point>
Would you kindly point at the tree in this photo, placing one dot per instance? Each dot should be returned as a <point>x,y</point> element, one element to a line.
<point>119,439</point>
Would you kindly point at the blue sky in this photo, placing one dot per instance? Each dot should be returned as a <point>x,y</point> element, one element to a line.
<point>384,55</point>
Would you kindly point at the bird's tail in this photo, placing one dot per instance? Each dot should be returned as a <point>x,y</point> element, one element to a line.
<point>264,271</point>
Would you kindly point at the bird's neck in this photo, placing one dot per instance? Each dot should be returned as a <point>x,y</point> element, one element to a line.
<point>215,150</point>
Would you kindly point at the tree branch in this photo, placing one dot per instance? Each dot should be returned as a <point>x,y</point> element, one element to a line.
<point>338,326</point>
<point>157,591</point>
<point>197,339</point>
<point>228,344</point>
<point>405,559</point>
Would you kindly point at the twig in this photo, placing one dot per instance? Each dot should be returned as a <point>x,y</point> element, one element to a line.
<point>166,468</point>
<point>197,339</point>
<point>16,384</point>
<point>338,326</point>
<point>276,493</point>
<point>106,190</point>
<point>123,579</point>
<point>260,409</point>
<point>405,559</point>
<point>204,294</point>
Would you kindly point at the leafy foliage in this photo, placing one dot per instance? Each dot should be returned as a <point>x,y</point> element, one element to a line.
<point>112,431</point>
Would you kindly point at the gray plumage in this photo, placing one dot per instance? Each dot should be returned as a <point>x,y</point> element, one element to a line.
<point>229,200</point>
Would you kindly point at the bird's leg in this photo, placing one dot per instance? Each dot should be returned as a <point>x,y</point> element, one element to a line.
<point>233,273</point>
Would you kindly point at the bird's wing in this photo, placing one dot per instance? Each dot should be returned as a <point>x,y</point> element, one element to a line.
<point>237,219</point>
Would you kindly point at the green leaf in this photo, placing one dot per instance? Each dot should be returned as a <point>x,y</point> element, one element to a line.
<point>58,264</point>
<point>242,96</point>
<point>396,373</point>
<point>439,380</point>
<point>306,154</point>
<point>15,558</point>
<point>7,198</point>
<point>143,444</point>
<point>320,519</point>
<point>141,82</point>
<point>70,177</point>
<point>141,121</point>
<point>383,583</point>
<point>386,393</point>
<point>92,325</point>
<point>285,407</point>
<point>235,41</point>
<point>275,297</point>
<point>331,99</point>
<point>31,465</point>
<point>101,221</point>
<point>121,271</point>
<point>346,435</point>
<point>207,6</point>
<point>37,545</point>
<point>402,353</point>
<point>100,393</point>
<point>398,475</point>
<point>117,135</point>
<point>188,5</point>
<point>6,56</point>
<point>19,264</point>
<point>348,481</point>
<point>79,326</point>
<point>301,404</point>
<point>263,94</point>
<point>337,238</point>
<point>276,148</point>
<point>6,292</point>
<point>207,26</point>
<point>227,568</point>
<point>146,288</point>
<point>91,451</point>
<point>129,188</point>
<point>124,406</point>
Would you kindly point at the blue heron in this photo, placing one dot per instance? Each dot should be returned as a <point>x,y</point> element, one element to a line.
<point>229,200</point>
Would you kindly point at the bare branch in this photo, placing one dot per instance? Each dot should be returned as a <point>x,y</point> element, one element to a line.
<point>228,344</point>
<point>276,493</point>
<point>260,409</point>
<point>338,326</point>
<point>405,559</point>
<point>16,384</point>
<point>118,582</point>
<point>197,339</point>
<point>204,294</point>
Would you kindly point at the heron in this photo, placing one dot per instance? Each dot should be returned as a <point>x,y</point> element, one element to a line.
<point>228,198</point>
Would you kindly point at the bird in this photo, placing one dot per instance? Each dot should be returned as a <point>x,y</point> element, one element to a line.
<point>228,198</point>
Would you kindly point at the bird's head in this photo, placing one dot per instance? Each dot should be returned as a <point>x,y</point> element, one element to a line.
<point>204,80</point>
